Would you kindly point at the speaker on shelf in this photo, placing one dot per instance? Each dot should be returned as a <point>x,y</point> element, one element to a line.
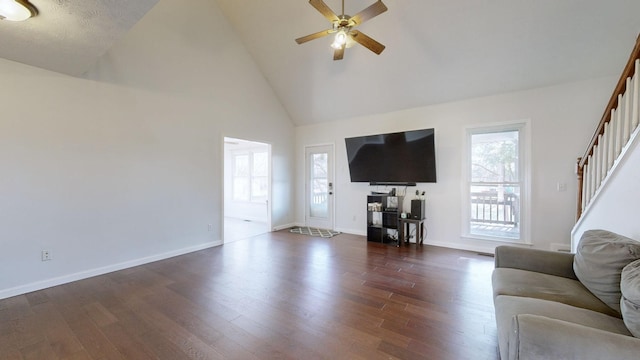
<point>417,209</point>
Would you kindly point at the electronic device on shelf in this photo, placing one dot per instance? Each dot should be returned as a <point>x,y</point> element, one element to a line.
<point>417,209</point>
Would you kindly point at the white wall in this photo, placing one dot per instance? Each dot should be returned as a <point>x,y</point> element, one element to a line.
<point>616,207</point>
<point>562,120</point>
<point>125,166</point>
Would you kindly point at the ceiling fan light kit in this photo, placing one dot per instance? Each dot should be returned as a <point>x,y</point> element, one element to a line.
<point>340,40</point>
<point>343,26</point>
<point>17,10</point>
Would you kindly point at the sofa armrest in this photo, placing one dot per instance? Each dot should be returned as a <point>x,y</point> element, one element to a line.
<point>539,337</point>
<point>542,261</point>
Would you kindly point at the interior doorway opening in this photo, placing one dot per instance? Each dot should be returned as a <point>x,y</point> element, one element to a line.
<point>247,189</point>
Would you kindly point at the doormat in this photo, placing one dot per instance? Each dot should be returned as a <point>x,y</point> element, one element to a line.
<point>305,230</point>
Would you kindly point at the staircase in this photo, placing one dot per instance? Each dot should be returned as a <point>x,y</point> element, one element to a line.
<point>613,156</point>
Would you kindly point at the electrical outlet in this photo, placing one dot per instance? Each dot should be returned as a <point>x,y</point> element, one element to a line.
<point>210,227</point>
<point>46,255</point>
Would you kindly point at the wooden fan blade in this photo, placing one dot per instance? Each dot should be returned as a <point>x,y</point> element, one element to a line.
<point>314,36</point>
<point>324,10</point>
<point>367,42</point>
<point>339,53</point>
<point>372,11</point>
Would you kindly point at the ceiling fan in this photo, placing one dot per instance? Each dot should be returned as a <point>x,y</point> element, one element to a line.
<point>343,26</point>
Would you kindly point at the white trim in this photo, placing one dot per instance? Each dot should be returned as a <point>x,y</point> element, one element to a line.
<point>332,162</point>
<point>466,247</point>
<point>525,163</point>
<point>285,226</point>
<point>498,240</point>
<point>353,232</point>
<point>43,284</point>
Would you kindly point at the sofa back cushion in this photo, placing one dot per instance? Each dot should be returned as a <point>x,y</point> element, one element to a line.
<point>599,260</point>
<point>630,302</point>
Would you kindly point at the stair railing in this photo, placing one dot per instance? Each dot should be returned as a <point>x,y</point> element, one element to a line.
<point>616,129</point>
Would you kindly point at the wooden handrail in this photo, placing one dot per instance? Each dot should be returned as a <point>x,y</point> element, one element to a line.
<point>613,102</point>
<point>620,89</point>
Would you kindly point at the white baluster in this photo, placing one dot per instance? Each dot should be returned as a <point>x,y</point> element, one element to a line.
<point>618,137</point>
<point>605,148</point>
<point>602,159</point>
<point>592,177</point>
<point>626,116</point>
<point>635,116</point>
<point>585,186</point>
<point>598,165</point>
<point>608,133</point>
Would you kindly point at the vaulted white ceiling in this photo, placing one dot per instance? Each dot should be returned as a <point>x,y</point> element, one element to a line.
<point>69,36</point>
<point>436,50</point>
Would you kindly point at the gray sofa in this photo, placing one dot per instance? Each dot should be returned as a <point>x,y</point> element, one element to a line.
<point>543,310</point>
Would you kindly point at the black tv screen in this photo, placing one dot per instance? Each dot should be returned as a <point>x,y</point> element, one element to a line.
<point>402,157</point>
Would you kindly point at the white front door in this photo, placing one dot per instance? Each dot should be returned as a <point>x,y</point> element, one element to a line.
<point>319,187</point>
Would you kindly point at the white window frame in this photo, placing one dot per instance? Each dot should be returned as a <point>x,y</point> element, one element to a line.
<point>251,176</point>
<point>524,164</point>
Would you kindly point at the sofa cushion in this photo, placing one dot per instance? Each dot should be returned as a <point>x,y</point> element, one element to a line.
<point>630,302</point>
<point>516,282</point>
<point>599,260</point>
<point>509,306</point>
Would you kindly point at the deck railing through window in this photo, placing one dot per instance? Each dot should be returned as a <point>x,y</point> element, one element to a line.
<point>487,207</point>
<point>618,126</point>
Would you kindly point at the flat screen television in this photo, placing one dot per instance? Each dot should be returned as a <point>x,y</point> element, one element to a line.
<point>406,157</point>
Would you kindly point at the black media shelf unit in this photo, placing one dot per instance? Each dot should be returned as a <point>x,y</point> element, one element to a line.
<point>383,212</point>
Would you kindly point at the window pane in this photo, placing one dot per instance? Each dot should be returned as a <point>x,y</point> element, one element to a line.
<point>241,188</point>
<point>241,165</point>
<point>495,210</point>
<point>260,164</point>
<point>494,157</point>
<point>259,188</point>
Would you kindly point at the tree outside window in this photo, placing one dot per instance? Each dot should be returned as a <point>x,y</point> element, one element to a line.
<point>495,182</point>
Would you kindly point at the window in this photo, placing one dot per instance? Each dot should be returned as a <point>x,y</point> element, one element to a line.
<point>496,188</point>
<point>319,185</point>
<point>250,176</point>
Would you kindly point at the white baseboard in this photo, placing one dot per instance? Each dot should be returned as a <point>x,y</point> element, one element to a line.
<point>47,283</point>
<point>560,247</point>
<point>353,232</point>
<point>282,227</point>
<point>466,247</point>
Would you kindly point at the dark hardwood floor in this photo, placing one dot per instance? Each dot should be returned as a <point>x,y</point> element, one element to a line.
<point>274,296</point>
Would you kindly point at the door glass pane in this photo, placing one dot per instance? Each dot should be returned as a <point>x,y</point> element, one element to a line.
<point>319,202</point>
